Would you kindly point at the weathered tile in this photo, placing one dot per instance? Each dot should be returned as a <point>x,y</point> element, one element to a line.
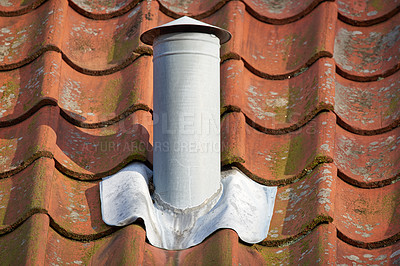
<point>316,248</point>
<point>278,105</point>
<point>99,152</point>
<point>93,101</point>
<point>277,159</point>
<point>367,53</point>
<point>26,245</point>
<point>368,159</point>
<point>103,9</point>
<point>302,206</point>
<point>28,88</point>
<point>105,46</point>
<point>22,143</point>
<point>280,12</point>
<point>123,247</point>
<point>360,12</point>
<point>23,38</point>
<point>351,255</point>
<point>281,50</point>
<point>368,107</point>
<point>367,215</point>
<point>25,194</point>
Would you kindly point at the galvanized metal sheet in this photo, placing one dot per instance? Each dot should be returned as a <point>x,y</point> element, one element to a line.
<point>243,205</point>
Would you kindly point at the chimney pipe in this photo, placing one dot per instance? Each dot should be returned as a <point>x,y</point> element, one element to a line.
<point>186,100</point>
<point>189,202</point>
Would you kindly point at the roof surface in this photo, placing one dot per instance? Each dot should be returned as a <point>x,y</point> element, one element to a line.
<point>310,102</point>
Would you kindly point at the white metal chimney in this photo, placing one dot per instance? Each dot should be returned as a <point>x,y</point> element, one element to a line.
<point>192,197</point>
<point>186,100</point>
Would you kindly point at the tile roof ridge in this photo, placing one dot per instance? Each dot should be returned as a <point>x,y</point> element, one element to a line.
<point>349,37</point>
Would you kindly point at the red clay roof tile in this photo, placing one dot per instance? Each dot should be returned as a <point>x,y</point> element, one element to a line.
<point>368,159</point>
<point>276,106</point>
<point>53,82</point>
<point>302,206</point>
<point>367,215</point>
<point>309,102</point>
<point>365,13</point>
<point>277,159</point>
<point>284,49</point>
<point>368,108</point>
<point>79,152</point>
<point>368,53</point>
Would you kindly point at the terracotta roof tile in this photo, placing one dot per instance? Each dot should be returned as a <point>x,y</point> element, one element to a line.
<point>368,108</point>
<point>27,37</point>
<point>368,53</point>
<point>309,102</point>
<point>309,202</point>
<point>279,105</point>
<point>79,152</point>
<point>103,9</point>
<point>277,159</point>
<point>53,82</point>
<point>368,159</point>
<point>368,215</point>
<point>318,247</point>
<point>365,13</point>
<point>284,49</point>
<point>348,254</point>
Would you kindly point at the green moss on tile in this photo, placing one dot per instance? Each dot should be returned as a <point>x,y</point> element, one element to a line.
<point>10,88</point>
<point>230,156</point>
<point>271,255</point>
<point>112,95</point>
<point>88,255</point>
<point>125,41</point>
<point>119,50</point>
<point>393,106</point>
<point>377,4</point>
<point>32,125</point>
<point>25,2</point>
<point>133,97</point>
<point>315,222</point>
<point>293,151</point>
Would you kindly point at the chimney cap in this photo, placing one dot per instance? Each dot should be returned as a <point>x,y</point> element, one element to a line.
<point>185,24</point>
